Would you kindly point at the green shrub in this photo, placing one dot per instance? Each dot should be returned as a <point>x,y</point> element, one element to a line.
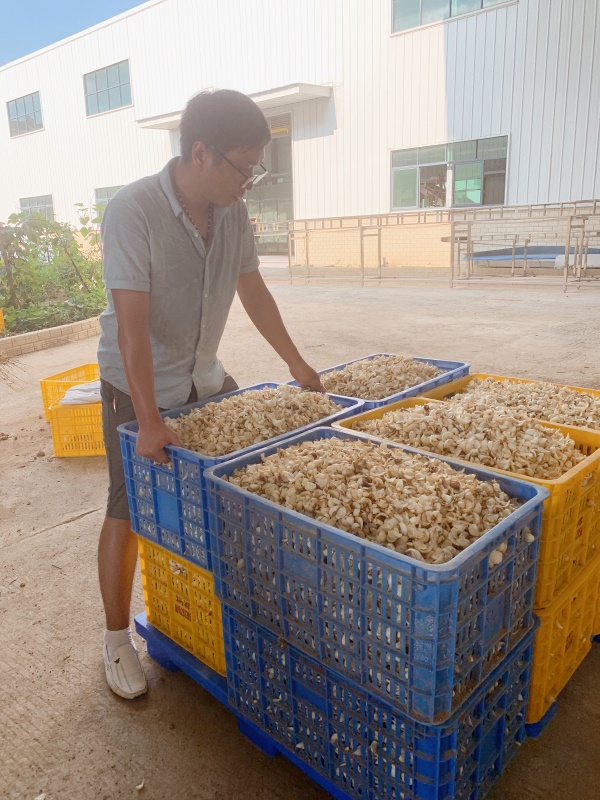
<point>50,272</point>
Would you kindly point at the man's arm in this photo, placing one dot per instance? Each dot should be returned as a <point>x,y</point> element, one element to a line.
<point>132,310</point>
<point>260,306</point>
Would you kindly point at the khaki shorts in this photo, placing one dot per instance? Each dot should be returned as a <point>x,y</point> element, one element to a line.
<point>117,409</point>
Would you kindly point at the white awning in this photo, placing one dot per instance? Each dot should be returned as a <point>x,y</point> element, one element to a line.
<point>294,93</point>
<point>164,122</point>
<point>279,97</point>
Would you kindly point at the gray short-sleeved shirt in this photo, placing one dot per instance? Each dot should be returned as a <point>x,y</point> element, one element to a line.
<point>149,245</point>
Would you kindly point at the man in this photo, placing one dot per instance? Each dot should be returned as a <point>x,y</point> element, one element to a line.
<point>176,246</point>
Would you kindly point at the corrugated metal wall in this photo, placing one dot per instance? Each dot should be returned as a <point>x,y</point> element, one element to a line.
<point>529,69</point>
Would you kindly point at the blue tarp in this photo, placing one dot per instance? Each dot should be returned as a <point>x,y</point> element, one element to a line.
<point>536,252</point>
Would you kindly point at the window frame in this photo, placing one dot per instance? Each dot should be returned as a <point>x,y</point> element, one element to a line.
<point>466,163</point>
<point>393,170</point>
<point>22,97</point>
<point>103,202</point>
<point>500,4</point>
<point>95,94</point>
<point>450,165</point>
<point>435,164</point>
<point>36,209</point>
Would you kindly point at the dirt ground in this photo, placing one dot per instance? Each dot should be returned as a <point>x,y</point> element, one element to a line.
<point>63,733</point>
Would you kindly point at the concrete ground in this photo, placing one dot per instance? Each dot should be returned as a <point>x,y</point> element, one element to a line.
<point>63,734</point>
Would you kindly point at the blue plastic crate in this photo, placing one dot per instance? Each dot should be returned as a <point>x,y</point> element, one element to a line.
<point>167,503</point>
<point>452,370</point>
<point>421,636</point>
<point>338,731</point>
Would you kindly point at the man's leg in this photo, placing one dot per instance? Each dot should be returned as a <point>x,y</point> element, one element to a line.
<point>117,557</point>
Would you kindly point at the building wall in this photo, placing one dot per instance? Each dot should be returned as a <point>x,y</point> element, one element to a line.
<point>529,69</point>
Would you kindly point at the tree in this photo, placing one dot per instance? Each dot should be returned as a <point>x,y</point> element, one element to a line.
<point>50,272</point>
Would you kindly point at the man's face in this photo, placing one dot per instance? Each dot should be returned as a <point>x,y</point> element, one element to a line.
<point>225,177</point>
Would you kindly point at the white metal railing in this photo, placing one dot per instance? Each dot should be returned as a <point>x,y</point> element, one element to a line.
<point>574,215</point>
<point>430,216</point>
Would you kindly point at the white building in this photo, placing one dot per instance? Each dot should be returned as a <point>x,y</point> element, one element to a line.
<point>375,105</point>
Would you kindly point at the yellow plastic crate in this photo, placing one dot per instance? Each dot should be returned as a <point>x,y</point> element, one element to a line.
<point>180,601</point>
<point>77,430</point>
<point>55,387</point>
<point>563,640</point>
<point>571,518</point>
<point>462,384</point>
<point>2,323</point>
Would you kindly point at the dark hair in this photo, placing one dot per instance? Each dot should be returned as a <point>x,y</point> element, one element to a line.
<point>225,119</point>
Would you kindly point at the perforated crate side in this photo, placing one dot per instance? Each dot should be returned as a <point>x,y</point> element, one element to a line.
<point>180,601</point>
<point>77,430</point>
<point>563,640</point>
<point>365,746</point>
<point>420,636</point>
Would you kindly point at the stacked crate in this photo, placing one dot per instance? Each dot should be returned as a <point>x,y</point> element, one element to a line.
<point>380,676</point>
<point>76,429</point>
<point>568,588</point>
<point>168,511</point>
<point>180,602</point>
<point>569,568</point>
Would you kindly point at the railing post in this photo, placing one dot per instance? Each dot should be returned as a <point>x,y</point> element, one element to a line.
<point>452,229</point>
<point>514,251</point>
<point>307,258</point>
<point>470,264</point>
<point>362,252</point>
<point>567,253</point>
<point>290,256</point>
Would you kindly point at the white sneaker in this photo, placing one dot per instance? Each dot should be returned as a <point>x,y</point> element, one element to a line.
<point>124,672</point>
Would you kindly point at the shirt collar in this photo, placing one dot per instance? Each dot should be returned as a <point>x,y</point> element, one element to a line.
<point>167,186</point>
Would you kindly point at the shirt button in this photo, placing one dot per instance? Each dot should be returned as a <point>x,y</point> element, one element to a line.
<point>196,235</point>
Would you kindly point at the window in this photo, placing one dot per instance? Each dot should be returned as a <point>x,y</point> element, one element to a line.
<point>432,186</point>
<point>38,205</point>
<point>468,184</point>
<point>103,196</point>
<point>107,88</point>
<point>457,174</point>
<point>404,188</point>
<point>25,114</point>
<point>412,13</point>
<point>419,177</point>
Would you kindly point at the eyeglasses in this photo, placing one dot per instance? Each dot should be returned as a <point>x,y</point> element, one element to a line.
<point>249,182</point>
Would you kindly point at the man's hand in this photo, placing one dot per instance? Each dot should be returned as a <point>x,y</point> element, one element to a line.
<point>152,439</point>
<point>306,377</point>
